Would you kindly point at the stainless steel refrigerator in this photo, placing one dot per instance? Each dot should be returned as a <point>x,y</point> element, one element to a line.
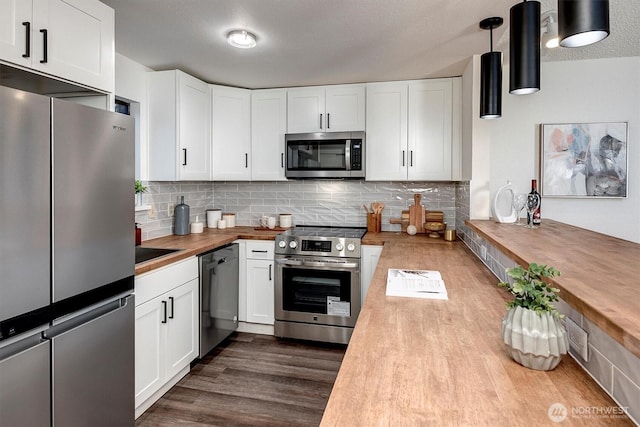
<point>66,263</point>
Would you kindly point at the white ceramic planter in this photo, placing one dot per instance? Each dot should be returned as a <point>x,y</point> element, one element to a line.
<point>533,340</point>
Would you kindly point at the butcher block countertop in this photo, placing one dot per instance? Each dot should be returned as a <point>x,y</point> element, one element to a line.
<point>600,275</point>
<point>194,244</point>
<point>442,362</point>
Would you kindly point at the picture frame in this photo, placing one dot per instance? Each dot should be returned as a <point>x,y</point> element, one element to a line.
<point>584,160</point>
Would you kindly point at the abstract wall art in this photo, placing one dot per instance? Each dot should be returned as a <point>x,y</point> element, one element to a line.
<point>584,160</point>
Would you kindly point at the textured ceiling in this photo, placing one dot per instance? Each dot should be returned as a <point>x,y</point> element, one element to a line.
<point>318,42</point>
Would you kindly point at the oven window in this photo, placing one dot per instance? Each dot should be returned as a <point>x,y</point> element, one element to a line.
<point>311,290</point>
<point>309,155</point>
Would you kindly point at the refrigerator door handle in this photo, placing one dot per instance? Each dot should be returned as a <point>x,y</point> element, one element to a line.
<point>93,313</point>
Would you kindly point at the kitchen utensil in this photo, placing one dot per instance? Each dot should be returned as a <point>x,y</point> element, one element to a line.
<point>403,221</point>
<point>366,208</point>
<point>374,222</point>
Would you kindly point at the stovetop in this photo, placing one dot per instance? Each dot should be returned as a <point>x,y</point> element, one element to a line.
<point>326,231</point>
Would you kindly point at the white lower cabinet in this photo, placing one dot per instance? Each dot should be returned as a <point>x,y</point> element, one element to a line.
<point>166,329</point>
<point>368,263</point>
<point>257,278</point>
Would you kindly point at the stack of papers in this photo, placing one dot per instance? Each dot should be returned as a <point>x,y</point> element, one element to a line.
<point>415,284</point>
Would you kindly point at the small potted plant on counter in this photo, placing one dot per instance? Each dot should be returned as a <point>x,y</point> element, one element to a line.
<point>531,329</point>
<point>139,190</point>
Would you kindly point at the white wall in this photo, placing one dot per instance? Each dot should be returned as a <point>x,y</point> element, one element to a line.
<point>131,85</point>
<point>571,92</point>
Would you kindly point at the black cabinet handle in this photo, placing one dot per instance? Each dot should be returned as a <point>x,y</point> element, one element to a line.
<point>402,157</point>
<point>164,312</point>
<point>411,158</point>
<point>282,160</point>
<point>27,43</point>
<point>171,315</point>
<point>45,46</point>
<point>184,151</point>
<point>320,121</point>
<point>328,118</point>
<point>269,272</point>
<point>246,160</point>
<point>259,252</point>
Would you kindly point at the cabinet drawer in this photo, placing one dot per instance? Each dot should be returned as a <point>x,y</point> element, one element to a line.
<point>260,249</point>
<point>150,285</point>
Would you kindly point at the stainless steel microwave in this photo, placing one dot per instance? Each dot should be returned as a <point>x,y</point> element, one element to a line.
<point>325,155</point>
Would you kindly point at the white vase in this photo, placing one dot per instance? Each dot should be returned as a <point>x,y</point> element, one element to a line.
<point>138,199</point>
<point>537,341</point>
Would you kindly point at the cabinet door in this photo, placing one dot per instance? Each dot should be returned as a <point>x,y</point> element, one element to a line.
<point>305,110</point>
<point>231,118</point>
<point>13,34</point>
<point>386,150</point>
<point>268,126</point>
<point>345,108</point>
<point>182,327</point>
<point>370,257</point>
<point>80,41</point>
<point>193,123</point>
<point>429,132</point>
<point>149,349</point>
<point>260,291</point>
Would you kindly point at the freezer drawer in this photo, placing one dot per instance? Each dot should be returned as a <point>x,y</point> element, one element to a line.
<point>24,383</point>
<point>93,367</point>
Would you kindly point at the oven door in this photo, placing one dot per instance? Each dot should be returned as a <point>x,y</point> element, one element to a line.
<point>319,290</point>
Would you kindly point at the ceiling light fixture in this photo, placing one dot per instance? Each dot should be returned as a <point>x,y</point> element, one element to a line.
<point>549,25</point>
<point>524,48</point>
<point>582,22</point>
<point>491,75</point>
<point>241,39</point>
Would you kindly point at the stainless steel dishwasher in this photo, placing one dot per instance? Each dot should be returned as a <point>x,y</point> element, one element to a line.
<point>218,296</point>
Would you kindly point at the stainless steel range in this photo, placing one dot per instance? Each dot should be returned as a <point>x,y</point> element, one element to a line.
<point>317,283</point>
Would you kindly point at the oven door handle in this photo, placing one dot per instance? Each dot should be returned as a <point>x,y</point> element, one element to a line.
<point>317,263</point>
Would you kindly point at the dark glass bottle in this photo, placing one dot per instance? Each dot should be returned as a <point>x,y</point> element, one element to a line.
<point>535,218</point>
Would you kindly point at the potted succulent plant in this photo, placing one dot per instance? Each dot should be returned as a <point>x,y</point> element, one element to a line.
<point>531,329</point>
<point>139,188</point>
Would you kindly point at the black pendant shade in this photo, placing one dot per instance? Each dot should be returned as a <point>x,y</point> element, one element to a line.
<point>524,48</point>
<point>491,76</point>
<point>582,22</point>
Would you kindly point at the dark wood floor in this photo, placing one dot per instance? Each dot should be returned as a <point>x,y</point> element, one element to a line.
<point>252,380</point>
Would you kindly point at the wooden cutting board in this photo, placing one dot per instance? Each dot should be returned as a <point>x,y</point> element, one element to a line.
<point>416,214</point>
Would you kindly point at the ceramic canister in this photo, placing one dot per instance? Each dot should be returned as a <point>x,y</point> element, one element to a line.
<point>213,215</point>
<point>230,218</point>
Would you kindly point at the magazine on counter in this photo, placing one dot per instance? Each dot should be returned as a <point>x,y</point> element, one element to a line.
<point>415,284</point>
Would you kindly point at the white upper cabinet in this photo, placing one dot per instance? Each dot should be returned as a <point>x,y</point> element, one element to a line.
<point>338,108</point>
<point>386,143</point>
<point>231,133</point>
<point>413,129</point>
<point>268,126</point>
<point>69,39</point>
<point>179,141</point>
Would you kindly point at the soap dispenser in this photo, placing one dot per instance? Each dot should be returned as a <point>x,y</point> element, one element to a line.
<point>502,199</point>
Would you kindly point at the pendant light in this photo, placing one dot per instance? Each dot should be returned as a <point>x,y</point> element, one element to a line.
<point>491,75</point>
<point>524,48</point>
<point>582,22</point>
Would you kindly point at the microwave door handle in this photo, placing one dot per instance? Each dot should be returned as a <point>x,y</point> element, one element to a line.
<point>347,155</point>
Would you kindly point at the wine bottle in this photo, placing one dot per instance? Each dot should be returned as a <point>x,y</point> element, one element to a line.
<point>535,218</point>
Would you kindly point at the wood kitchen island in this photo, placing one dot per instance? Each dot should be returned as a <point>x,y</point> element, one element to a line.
<point>434,362</point>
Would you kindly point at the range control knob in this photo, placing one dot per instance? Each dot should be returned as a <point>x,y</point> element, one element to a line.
<point>339,246</point>
<point>282,244</point>
<point>293,244</point>
<point>351,247</point>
